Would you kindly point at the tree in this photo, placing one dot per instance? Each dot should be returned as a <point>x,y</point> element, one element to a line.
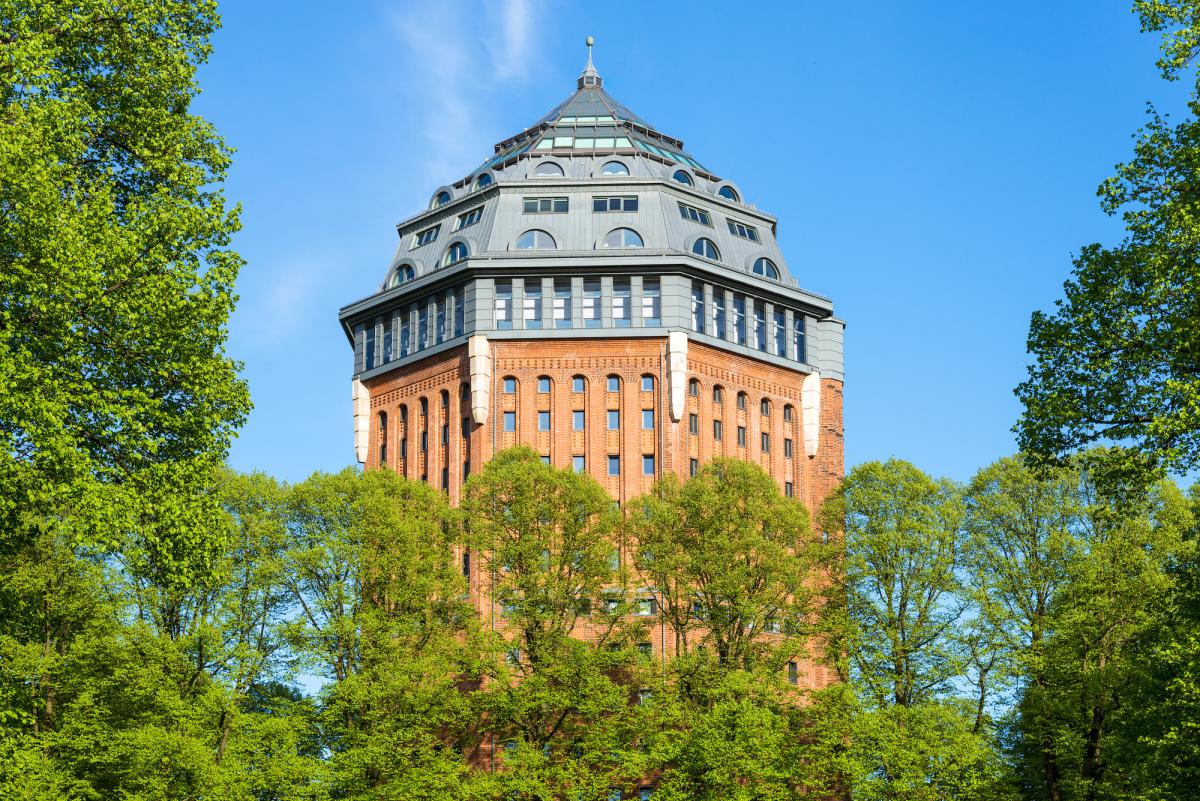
<point>730,558</point>
<point>116,277</point>
<point>1117,358</point>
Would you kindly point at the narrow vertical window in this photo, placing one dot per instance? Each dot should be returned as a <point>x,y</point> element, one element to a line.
<point>693,467</point>
<point>383,437</point>
<point>562,302</point>
<point>441,330</point>
<point>423,326</point>
<point>578,463</point>
<point>799,352</point>
<point>648,419</point>
<point>533,304</point>
<point>387,339</point>
<point>793,673</point>
<point>510,421</point>
<point>739,319</point>
<point>760,327</point>
<point>718,313</point>
<point>591,303</point>
<point>780,334</point>
<point>648,465</point>
<point>459,313</point>
<point>369,347</point>
<point>620,302</point>
<point>614,465</point>
<point>651,302</point>
<point>698,308</point>
<point>504,304</point>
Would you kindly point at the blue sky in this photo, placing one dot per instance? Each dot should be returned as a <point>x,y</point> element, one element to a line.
<point>933,166</point>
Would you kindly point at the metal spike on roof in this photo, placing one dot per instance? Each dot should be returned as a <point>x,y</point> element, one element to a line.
<point>589,76</point>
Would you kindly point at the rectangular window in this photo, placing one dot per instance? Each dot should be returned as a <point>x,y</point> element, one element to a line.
<point>459,314</point>
<point>647,465</point>
<point>606,204</point>
<point>577,420</point>
<point>383,437</point>
<point>741,436</point>
<point>510,421</point>
<point>760,327</point>
<point>718,429</point>
<point>648,419</point>
<point>614,383</point>
<point>423,326</point>
<point>591,303</point>
<point>718,311</point>
<point>562,302</point>
<point>614,465</point>
<point>510,385</point>
<point>645,650</point>
<point>543,421</point>
<point>787,414</point>
<point>545,205</point>
<point>788,489</point>
<point>779,334</point>
<point>405,335</point>
<point>533,304</point>
<point>466,564</point>
<point>647,383</point>
<point>693,424</point>
<point>693,466</point>
<point>698,308</point>
<point>787,449</point>
<point>694,214</point>
<point>426,236</point>
<point>424,442</point>
<point>646,607</point>
<point>766,442</point>
<point>387,339</point>
<point>369,348</point>
<point>504,304</point>
<point>578,463</point>
<point>445,434</point>
<point>651,302</point>
<point>470,218</point>
<point>577,384</point>
<point>742,230</point>
<point>620,303</point>
<point>798,346</point>
<point>440,325</point>
<point>741,401</point>
<point>739,319</point>
<point>614,420</point>
<point>545,458</point>
<point>793,673</point>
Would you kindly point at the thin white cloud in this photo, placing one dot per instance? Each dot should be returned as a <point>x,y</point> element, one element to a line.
<point>271,314</point>
<point>455,54</point>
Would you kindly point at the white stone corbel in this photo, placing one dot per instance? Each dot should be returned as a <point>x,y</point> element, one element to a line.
<point>480,353</point>
<point>362,419</point>
<point>677,366</point>
<point>810,405</point>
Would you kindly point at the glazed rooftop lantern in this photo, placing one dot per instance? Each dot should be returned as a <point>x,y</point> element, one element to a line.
<point>596,291</point>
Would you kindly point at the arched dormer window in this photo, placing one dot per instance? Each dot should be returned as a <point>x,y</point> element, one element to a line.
<point>622,238</point>
<point>455,254</point>
<point>548,169</point>
<point>682,177</point>
<point>706,248</point>
<point>764,266</point>
<point>536,240</point>
<point>441,199</point>
<point>614,168</point>
<point>403,275</point>
<point>482,181</point>
<point>728,193</point>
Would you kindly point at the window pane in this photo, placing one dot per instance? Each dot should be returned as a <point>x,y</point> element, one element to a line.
<point>614,465</point>
<point>614,419</point>
<point>648,419</point>
<point>510,421</point>
<point>577,420</point>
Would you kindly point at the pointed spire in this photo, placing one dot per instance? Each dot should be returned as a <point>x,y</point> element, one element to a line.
<point>589,76</point>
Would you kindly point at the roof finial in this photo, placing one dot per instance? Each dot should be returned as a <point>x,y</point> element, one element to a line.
<point>589,76</point>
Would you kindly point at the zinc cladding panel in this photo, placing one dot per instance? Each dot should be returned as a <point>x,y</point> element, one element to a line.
<point>736,252</point>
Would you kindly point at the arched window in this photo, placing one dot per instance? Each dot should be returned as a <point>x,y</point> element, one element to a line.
<point>728,193</point>
<point>741,401</point>
<point>718,394</point>
<point>456,253</point>
<point>441,199</point>
<point>694,388</point>
<point>464,392</point>
<point>764,266</point>
<point>647,383</point>
<point>764,407</point>
<point>706,248</point>
<point>613,383</point>
<point>614,168</point>
<point>383,437</point>
<point>403,275</point>
<point>622,238</point>
<point>536,240</point>
<point>682,177</point>
<point>483,181</point>
<point>548,168</point>
<point>403,414</point>
<point>788,413</point>
<point>445,400</point>
<point>544,384</point>
<point>578,383</point>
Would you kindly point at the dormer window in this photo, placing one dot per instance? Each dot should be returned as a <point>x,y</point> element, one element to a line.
<point>682,177</point>
<point>426,236</point>
<point>403,275</point>
<point>441,199</point>
<point>548,169</point>
<point>536,240</point>
<point>764,266</point>
<point>482,181</point>
<point>614,168</point>
<point>457,253</point>
<point>728,193</point>
<point>743,230</point>
<point>706,248</point>
<point>622,238</point>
